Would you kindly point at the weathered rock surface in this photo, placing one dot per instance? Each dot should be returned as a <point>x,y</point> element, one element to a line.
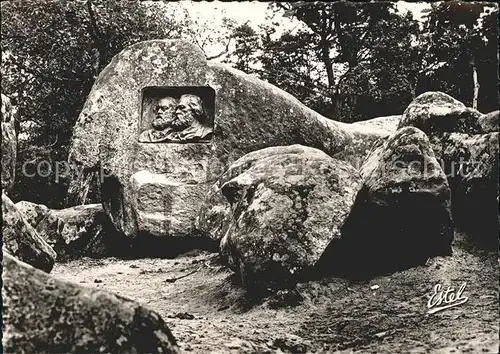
<point>215,214</point>
<point>489,122</point>
<point>471,165</point>
<point>387,124</point>
<point>78,231</point>
<point>9,143</point>
<point>249,115</point>
<point>287,204</point>
<point>466,145</point>
<point>436,113</point>
<point>32,212</point>
<point>401,215</point>
<point>42,314</point>
<point>82,230</point>
<point>21,240</point>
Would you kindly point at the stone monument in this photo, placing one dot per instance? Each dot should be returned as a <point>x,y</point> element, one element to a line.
<point>162,123</point>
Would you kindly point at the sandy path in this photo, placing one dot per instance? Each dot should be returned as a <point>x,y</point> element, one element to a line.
<point>209,313</point>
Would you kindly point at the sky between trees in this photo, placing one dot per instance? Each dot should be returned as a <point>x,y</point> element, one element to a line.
<point>349,61</point>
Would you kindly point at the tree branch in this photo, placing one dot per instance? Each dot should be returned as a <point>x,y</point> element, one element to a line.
<point>225,51</point>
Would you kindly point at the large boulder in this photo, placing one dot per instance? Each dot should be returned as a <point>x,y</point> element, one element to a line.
<point>21,239</point>
<point>287,204</point>
<point>82,230</point>
<point>248,114</point>
<point>9,143</point>
<point>489,122</point>
<point>466,145</point>
<point>42,314</point>
<point>471,165</point>
<point>435,112</point>
<point>401,215</point>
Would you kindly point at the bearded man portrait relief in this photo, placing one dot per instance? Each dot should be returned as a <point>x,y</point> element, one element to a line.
<point>182,120</point>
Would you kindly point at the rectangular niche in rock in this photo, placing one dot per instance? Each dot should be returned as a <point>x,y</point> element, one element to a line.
<point>177,114</point>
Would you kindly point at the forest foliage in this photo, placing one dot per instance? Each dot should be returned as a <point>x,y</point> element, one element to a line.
<point>349,61</point>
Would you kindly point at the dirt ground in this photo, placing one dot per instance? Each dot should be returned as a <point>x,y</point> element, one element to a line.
<point>208,312</point>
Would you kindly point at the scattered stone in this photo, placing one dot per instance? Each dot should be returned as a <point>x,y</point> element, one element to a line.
<point>374,287</point>
<point>184,316</point>
<point>215,215</point>
<point>82,230</point>
<point>22,241</point>
<point>287,204</point>
<point>290,344</point>
<point>223,307</point>
<point>380,334</point>
<point>44,314</point>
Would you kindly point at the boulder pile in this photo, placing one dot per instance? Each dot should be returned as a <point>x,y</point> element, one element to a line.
<point>159,188</point>
<point>280,188</point>
<point>466,145</point>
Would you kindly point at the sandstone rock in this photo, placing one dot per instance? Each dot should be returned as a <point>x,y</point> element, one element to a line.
<point>42,314</point>
<point>489,122</point>
<point>249,115</point>
<point>72,232</point>
<point>22,241</point>
<point>471,165</point>
<point>287,204</point>
<point>363,136</point>
<point>437,113</point>
<point>468,156</point>
<point>215,214</point>
<point>32,212</point>
<point>9,143</point>
<point>402,213</point>
<point>387,124</point>
<point>165,206</point>
<point>78,231</point>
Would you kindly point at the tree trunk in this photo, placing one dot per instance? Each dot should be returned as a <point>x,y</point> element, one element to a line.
<point>336,105</point>
<point>475,96</point>
<point>325,57</point>
<point>413,90</point>
<point>97,43</point>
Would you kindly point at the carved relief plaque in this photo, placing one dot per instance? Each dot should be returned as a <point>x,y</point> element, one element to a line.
<point>177,114</point>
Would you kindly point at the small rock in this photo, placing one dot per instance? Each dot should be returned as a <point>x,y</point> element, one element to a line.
<point>374,287</point>
<point>97,281</point>
<point>184,316</point>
